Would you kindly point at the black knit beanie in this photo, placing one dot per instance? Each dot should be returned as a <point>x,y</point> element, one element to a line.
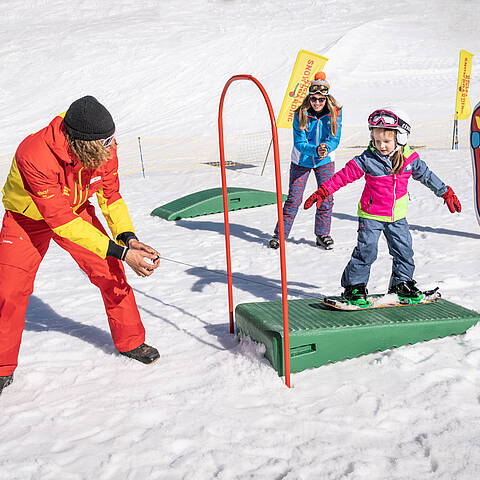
<point>88,119</point>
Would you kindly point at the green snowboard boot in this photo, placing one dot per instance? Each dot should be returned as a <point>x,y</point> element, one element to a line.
<point>356,295</point>
<point>407,292</point>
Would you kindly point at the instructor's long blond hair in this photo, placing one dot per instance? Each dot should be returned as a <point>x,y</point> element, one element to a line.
<point>90,153</point>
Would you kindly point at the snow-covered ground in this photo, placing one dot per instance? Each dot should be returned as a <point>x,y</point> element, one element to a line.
<point>213,407</point>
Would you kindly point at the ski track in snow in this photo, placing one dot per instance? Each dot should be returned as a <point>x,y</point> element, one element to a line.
<point>213,407</point>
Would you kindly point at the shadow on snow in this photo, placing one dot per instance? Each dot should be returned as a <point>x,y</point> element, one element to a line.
<point>251,234</point>
<point>41,317</point>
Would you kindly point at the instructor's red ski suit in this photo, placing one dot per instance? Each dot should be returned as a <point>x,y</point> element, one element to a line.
<point>46,197</point>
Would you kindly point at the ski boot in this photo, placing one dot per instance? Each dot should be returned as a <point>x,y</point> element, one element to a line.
<point>5,382</point>
<point>356,295</point>
<point>274,243</point>
<point>325,241</point>
<point>144,353</point>
<point>407,292</point>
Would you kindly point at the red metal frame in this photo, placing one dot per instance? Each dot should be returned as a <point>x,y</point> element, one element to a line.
<point>281,234</point>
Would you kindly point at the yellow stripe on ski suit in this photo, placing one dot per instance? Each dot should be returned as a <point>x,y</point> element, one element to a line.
<point>84,234</point>
<point>116,215</point>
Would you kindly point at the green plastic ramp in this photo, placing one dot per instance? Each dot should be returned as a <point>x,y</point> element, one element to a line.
<point>319,335</point>
<point>211,201</point>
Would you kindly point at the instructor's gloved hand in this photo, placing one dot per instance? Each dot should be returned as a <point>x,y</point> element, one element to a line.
<point>453,203</point>
<point>319,196</point>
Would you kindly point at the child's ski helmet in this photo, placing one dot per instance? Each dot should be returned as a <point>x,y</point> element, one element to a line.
<point>391,118</point>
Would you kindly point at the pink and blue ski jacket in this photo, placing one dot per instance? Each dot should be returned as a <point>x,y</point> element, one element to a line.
<point>317,131</point>
<point>385,195</point>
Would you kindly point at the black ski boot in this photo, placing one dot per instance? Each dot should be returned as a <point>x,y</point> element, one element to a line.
<point>325,241</point>
<point>274,243</point>
<point>356,295</point>
<point>407,292</point>
<point>144,353</point>
<point>5,382</point>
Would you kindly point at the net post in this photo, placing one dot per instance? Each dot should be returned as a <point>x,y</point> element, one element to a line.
<point>141,156</point>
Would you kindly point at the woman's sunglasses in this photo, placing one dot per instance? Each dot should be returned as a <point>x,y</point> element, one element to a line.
<point>317,99</point>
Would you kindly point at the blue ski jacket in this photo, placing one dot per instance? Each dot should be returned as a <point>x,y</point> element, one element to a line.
<point>317,131</point>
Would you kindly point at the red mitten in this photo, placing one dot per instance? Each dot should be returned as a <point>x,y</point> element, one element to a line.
<point>319,196</point>
<point>453,203</point>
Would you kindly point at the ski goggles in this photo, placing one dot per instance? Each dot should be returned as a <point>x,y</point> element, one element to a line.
<point>106,142</point>
<point>321,89</point>
<point>387,119</point>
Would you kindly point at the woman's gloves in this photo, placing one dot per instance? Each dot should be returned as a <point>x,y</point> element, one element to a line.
<point>319,196</point>
<point>453,203</point>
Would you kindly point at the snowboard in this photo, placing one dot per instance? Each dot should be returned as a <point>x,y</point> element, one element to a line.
<point>475,149</point>
<point>380,301</point>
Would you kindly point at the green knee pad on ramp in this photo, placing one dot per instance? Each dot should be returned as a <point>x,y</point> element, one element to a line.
<point>319,335</point>
<point>211,201</point>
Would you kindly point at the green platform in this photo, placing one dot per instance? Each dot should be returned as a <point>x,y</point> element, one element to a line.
<point>319,335</point>
<point>211,201</point>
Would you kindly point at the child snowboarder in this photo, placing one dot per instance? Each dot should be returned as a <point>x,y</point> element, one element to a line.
<point>387,164</point>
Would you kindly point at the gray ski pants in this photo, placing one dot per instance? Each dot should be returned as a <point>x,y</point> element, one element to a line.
<point>399,241</point>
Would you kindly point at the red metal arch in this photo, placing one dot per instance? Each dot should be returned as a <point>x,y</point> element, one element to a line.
<point>281,234</point>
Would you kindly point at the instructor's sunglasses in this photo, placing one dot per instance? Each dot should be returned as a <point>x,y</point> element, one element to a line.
<point>321,89</point>
<point>106,142</point>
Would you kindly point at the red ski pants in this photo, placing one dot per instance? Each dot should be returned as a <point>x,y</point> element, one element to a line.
<point>23,244</point>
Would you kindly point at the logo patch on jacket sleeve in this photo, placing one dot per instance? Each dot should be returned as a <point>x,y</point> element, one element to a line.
<point>44,194</point>
<point>95,179</point>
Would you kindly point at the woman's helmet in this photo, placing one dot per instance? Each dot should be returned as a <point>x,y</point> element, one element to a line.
<point>393,119</point>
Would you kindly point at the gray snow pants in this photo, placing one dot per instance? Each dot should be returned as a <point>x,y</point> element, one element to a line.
<point>399,241</point>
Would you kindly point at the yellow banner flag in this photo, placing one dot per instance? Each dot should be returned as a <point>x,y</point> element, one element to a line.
<point>306,66</point>
<point>462,106</point>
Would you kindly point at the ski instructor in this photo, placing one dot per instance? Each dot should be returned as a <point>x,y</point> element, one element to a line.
<point>53,174</point>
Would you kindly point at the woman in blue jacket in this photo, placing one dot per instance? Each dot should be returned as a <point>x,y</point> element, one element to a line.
<point>317,127</point>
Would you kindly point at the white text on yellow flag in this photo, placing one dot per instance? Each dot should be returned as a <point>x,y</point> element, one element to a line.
<point>462,105</point>
<point>306,65</point>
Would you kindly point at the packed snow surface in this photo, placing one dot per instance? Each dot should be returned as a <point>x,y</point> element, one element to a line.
<point>213,407</point>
